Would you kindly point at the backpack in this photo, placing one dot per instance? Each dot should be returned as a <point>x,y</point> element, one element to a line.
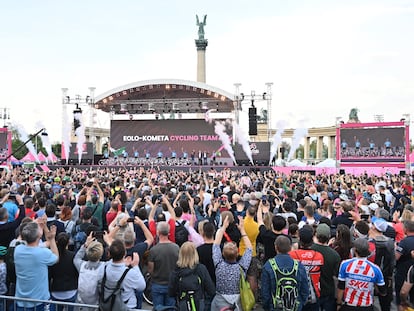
<point>79,238</point>
<point>384,257</point>
<point>181,233</point>
<point>89,276</point>
<point>110,294</point>
<point>10,267</point>
<point>313,294</point>
<point>190,290</point>
<point>286,296</point>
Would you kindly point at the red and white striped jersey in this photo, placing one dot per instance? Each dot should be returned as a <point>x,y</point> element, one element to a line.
<point>360,276</point>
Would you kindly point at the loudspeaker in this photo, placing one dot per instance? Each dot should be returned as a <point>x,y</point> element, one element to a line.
<point>402,173</point>
<point>282,152</point>
<point>342,172</point>
<point>252,121</point>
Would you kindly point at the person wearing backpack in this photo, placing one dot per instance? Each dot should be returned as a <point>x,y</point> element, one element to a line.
<point>312,261</point>
<point>190,282</point>
<point>90,271</point>
<point>384,257</point>
<point>181,232</point>
<point>120,281</point>
<point>79,231</point>
<point>284,281</point>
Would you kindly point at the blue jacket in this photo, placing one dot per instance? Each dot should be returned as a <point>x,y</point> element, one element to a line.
<point>284,262</point>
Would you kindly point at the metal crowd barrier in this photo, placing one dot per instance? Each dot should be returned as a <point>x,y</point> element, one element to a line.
<point>9,303</point>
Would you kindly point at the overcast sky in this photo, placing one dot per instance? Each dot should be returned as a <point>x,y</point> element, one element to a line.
<point>324,57</point>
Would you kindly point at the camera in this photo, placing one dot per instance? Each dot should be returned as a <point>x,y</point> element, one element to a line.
<point>264,199</point>
<point>89,184</point>
<point>222,200</point>
<point>131,219</point>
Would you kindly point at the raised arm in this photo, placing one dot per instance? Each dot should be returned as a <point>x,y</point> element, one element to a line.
<point>100,192</point>
<point>50,235</point>
<point>149,239</point>
<point>220,232</point>
<point>89,194</point>
<point>170,208</point>
<point>151,214</point>
<point>134,207</point>
<point>177,197</point>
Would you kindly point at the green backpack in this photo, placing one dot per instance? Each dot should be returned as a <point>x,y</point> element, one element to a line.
<point>286,297</point>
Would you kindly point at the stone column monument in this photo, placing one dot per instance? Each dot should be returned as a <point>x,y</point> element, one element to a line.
<point>201,45</point>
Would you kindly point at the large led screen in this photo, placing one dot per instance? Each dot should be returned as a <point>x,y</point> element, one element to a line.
<point>372,144</point>
<point>165,136</point>
<point>4,144</point>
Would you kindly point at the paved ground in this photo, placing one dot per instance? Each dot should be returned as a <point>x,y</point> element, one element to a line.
<point>145,306</point>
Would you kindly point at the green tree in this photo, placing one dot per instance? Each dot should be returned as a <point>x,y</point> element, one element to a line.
<point>57,149</point>
<point>17,143</point>
<point>19,149</point>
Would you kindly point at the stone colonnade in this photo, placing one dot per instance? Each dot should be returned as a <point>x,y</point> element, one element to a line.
<point>313,133</point>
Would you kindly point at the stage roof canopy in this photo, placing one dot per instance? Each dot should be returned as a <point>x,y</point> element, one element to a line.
<point>165,96</point>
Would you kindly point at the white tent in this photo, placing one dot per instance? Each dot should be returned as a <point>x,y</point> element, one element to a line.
<point>327,163</point>
<point>296,162</point>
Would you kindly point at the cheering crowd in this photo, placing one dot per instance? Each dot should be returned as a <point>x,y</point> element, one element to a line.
<point>303,242</point>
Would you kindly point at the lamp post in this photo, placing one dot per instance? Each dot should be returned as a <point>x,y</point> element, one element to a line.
<point>268,96</point>
<point>5,115</point>
<point>239,97</point>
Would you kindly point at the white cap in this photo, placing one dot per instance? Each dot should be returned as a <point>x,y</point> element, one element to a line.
<point>373,206</point>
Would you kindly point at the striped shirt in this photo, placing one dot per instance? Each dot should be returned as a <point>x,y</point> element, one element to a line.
<point>360,275</point>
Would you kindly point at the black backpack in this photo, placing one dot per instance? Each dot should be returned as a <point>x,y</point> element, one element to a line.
<point>110,297</point>
<point>79,237</point>
<point>190,290</point>
<point>384,257</point>
<point>181,233</point>
<point>11,269</point>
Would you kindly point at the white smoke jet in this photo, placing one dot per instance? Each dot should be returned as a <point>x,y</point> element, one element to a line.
<point>207,116</point>
<point>24,136</point>
<point>220,130</point>
<point>299,133</point>
<point>243,139</point>
<point>67,130</point>
<point>277,138</point>
<point>48,146</point>
<point>45,142</point>
<point>80,134</point>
